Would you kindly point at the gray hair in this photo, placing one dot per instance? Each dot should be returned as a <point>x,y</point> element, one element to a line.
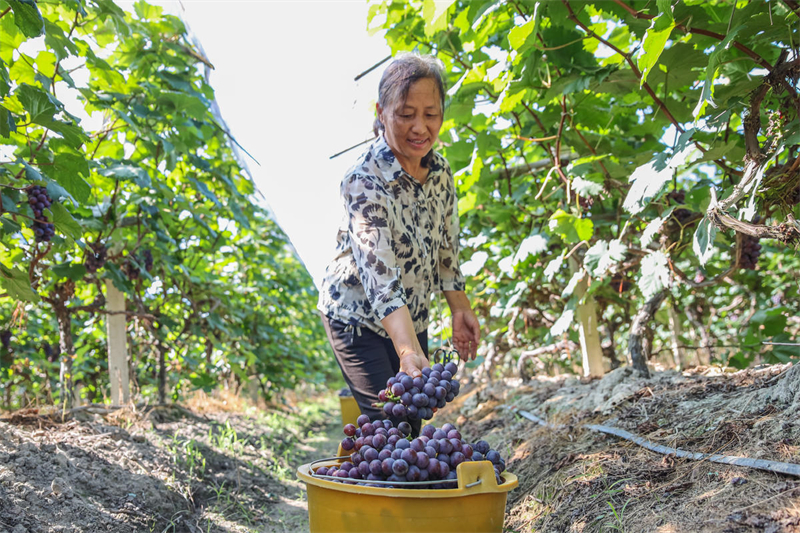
<point>401,74</point>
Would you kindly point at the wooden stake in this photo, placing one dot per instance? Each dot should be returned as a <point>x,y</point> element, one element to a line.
<point>117,345</point>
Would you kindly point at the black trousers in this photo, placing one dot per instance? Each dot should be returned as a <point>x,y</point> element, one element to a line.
<point>367,361</point>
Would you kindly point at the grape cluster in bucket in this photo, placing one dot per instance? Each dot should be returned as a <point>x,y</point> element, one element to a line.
<point>418,398</point>
<point>384,453</point>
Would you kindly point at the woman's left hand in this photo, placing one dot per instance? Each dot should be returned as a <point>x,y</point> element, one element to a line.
<point>466,333</point>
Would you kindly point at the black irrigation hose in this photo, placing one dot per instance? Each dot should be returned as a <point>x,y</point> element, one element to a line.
<point>760,464</point>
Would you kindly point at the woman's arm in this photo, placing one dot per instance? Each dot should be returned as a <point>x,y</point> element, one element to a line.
<point>400,328</point>
<point>466,328</point>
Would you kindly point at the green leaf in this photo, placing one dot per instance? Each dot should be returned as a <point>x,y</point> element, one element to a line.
<point>554,266</point>
<point>435,15</point>
<point>128,172</point>
<point>5,81</point>
<point>64,222</point>
<point>9,226</point>
<point>571,228</point>
<point>586,187</point>
<point>27,17</point>
<point>533,245</point>
<point>36,102</point>
<point>66,170</point>
<point>73,271</point>
<point>603,255</point>
<point>71,133</point>
<point>648,179</point>
<point>714,61</point>
<point>654,274</point>
<point>573,282</point>
<point>654,42</point>
<point>7,123</point>
<point>17,284</point>
<point>519,34</point>
<point>654,226</point>
<point>703,244</point>
<point>564,321</point>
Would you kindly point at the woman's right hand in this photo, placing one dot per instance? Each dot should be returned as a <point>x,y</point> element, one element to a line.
<point>412,364</point>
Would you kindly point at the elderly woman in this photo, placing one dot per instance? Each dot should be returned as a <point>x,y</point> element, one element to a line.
<point>399,241</point>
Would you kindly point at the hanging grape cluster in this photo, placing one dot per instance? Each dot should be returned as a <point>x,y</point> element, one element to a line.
<point>131,267</point>
<point>96,257</point>
<point>418,398</point>
<point>5,338</point>
<point>749,252</point>
<point>381,452</point>
<point>39,200</point>
<point>681,214</point>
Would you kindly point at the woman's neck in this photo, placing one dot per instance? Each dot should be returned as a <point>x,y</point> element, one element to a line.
<point>414,169</point>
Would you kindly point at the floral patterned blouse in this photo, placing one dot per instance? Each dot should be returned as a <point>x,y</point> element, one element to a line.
<point>397,243</point>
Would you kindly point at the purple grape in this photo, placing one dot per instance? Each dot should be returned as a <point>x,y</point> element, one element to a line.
<point>417,445</point>
<point>382,431</point>
<point>451,367</point>
<point>477,456</point>
<point>419,382</point>
<point>397,453</point>
<point>445,446</point>
<point>443,458</point>
<point>405,428</point>
<point>448,427</point>
<point>342,473</point>
<point>359,443</point>
<point>400,467</point>
<point>394,431</point>
<point>440,393</point>
<point>409,456</point>
<point>439,434</point>
<point>375,468</point>
<point>438,367</point>
<point>428,430</point>
<point>361,420</point>
<point>386,466</point>
<point>429,389</point>
<point>384,454</point>
<point>456,443</point>
<point>367,429</point>
<point>364,468</point>
<point>387,425</point>
<point>445,468</point>
<point>346,466</point>
<point>435,375</point>
<point>347,444</point>
<point>398,389</point>
<point>433,381</point>
<point>349,430</point>
<point>354,473</point>
<point>355,458</point>
<point>430,451</point>
<point>371,454</point>
<point>399,410</point>
<point>396,479</point>
<point>423,475</point>
<point>402,444</point>
<point>482,447</point>
<point>426,371</point>
<point>446,376</point>
<point>413,473</point>
<point>407,382</point>
<point>390,382</point>
<point>368,440</point>
<point>449,397</point>
<point>423,460</point>
<point>322,471</point>
<point>405,399</point>
<point>466,449</point>
<point>434,468</point>
<point>493,456</point>
<point>457,458</point>
<point>392,440</point>
<point>413,412</point>
<point>455,386</point>
<point>379,441</point>
<point>420,400</point>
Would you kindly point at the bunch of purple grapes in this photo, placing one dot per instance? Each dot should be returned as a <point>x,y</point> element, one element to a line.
<point>96,256</point>
<point>39,200</point>
<point>381,452</point>
<point>750,250</point>
<point>418,398</point>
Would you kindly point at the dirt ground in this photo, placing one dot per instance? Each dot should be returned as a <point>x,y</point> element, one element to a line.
<point>165,470</point>
<point>577,480</point>
<point>214,468</point>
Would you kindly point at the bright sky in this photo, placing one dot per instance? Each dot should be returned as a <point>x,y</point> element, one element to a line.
<point>283,78</point>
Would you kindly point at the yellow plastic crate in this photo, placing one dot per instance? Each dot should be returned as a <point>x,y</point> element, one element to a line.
<point>350,410</point>
<point>477,505</point>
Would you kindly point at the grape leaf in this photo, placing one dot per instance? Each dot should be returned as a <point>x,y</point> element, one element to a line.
<point>17,284</point>
<point>64,222</point>
<point>27,17</point>
<point>571,228</point>
<point>703,243</point>
<point>655,274</point>
<point>564,321</point>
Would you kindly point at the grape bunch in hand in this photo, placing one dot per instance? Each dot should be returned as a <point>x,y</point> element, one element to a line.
<point>418,398</point>
<point>381,452</point>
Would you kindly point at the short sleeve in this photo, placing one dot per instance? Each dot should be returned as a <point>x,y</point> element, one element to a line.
<point>450,276</point>
<point>367,206</point>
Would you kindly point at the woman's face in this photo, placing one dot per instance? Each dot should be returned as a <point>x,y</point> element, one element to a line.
<point>412,127</point>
